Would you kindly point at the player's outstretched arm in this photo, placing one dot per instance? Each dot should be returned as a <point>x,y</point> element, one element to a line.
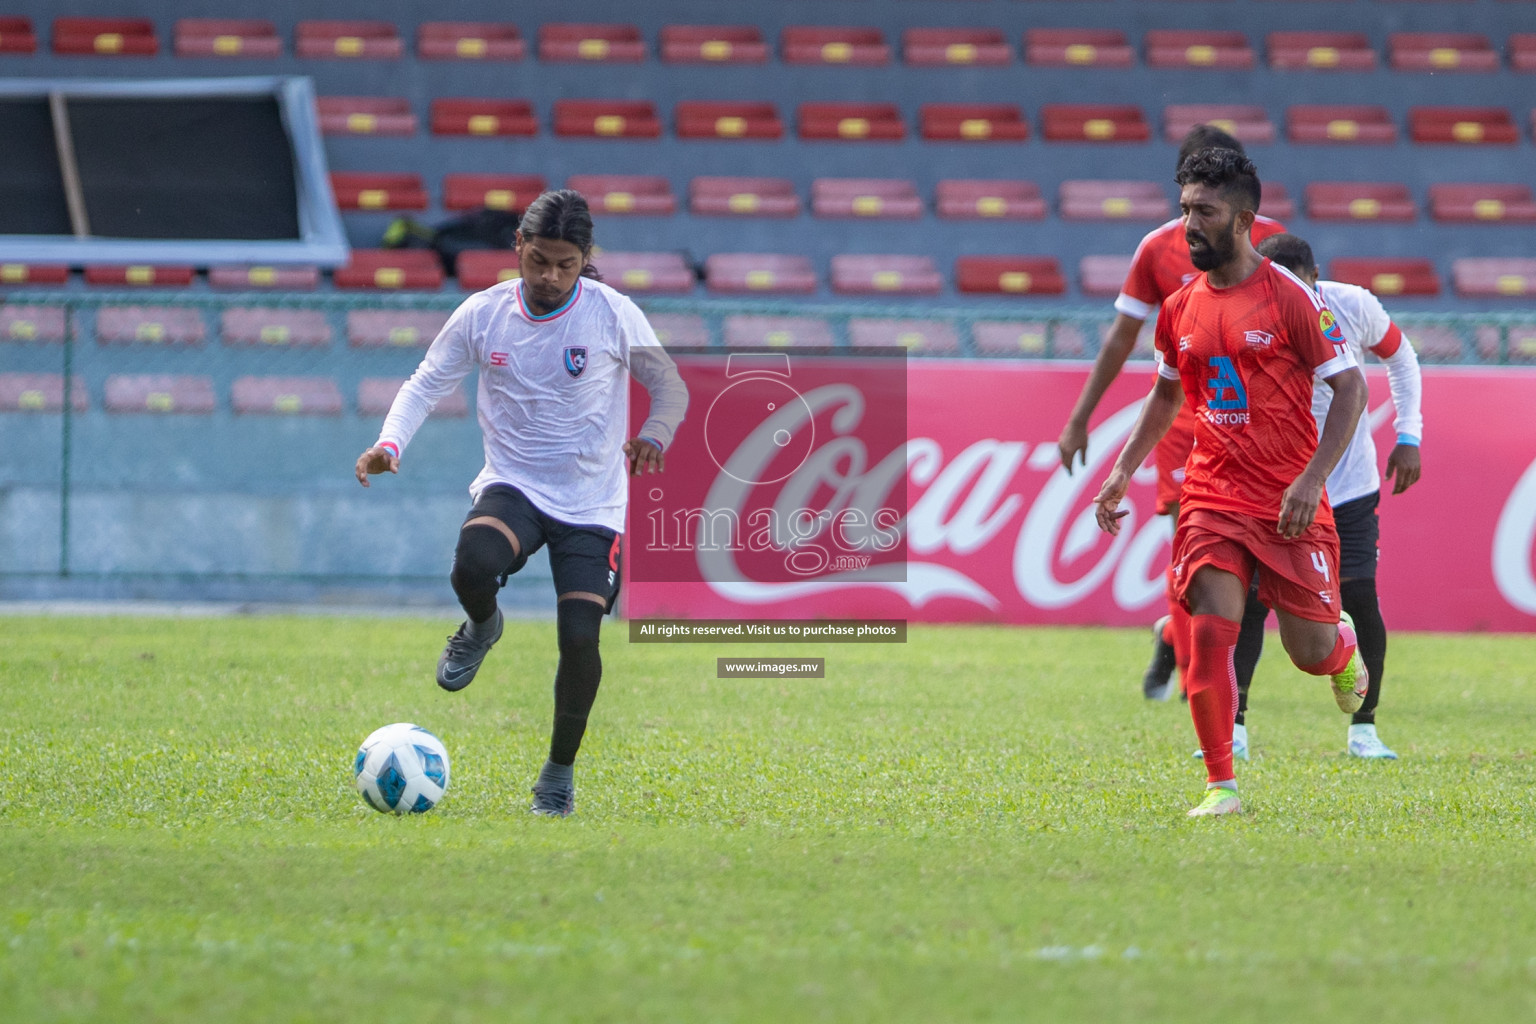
<point>376,460</point>
<point>1298,505</point>
<point>1156,417</point>
<point>1073,443</point>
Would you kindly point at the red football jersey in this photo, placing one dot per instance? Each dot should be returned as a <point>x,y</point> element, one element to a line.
<point>1246,357</point>
<point>1161,266</point>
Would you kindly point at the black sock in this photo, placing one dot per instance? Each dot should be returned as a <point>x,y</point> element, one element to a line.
<point>1371,633</point>
<point>483,554</point>
<point>581,669</point>
<point>1250,644</point>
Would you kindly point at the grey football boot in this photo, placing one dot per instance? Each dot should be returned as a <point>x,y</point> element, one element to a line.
<point>462,657</point>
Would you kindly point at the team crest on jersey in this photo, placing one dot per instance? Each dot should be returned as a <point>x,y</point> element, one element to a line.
<point>1330,328</point>
<point>1258,339</point>
<point>575,360</point>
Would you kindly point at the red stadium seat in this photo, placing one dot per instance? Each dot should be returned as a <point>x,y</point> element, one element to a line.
<point>276,327</point>
<point>643,194</point>
<point>1103,275</point>
<point>469,40</point>
<point>158,392</point>
<point>1387,276</point>
<point>631,119</point>
<point>394,328</point>
<point>604,44</point>
<point>40,324</point>
<point>924,337</point>
<point>805,44</point>
<point>777,332</point>
<point>851,122</point>
<point>713,44</point>
<point>680,330</point>
<point>878,198</point>
<point>1247,124</point>
<point>1494,278</point>
<point>647,272</point>
<point>138,275</point>
<point>357,190</point>
<point>493,191</point>
<point>743,197</point>
<point>1482,204</point>
<point>226,37</point>
<point>1466,126</point>
<point>483,117</point>
<point>1091,122</point>
<point>985,47</point>
<point>105,37</point>
<point>1009,275</point>
<point>1078,47</point>
<point>760,273</point>
<point>376,394</point>
<point>155,325</point>
<point>1276,202</point>
<point>1522,51</point>
<point>288,277</point>
<point>1370,125</point>
<point>1010,338</point>
<point>1359,200</point>
<point>1440,51</point>
<point>1198,49</point>
<point>364,40</point>
<point>1323,51</point>
<point>976,199</point>
<point>285,396</point>
<point>703,119</point>
<point>40,392</point>
<point>391,269</point>
<point>885,275</point>
<point>33,274</point>
<point>481,268</point>
<point>366,115</point>
<point>1114,200</point>
<point>17,36</point>
<point>973,122</point>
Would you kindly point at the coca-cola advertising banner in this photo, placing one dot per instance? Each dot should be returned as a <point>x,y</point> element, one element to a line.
<point>984,525</point>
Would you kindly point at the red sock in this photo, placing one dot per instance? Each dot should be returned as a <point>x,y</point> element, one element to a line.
<point>1177,632</point>
<point>1343,650</point>
<point>1212,686</point>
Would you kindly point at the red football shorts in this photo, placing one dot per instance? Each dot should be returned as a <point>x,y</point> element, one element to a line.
<point>1299,575</point>
<point>1171,453</point>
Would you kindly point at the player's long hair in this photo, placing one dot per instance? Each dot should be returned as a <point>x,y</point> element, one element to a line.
<point>562,215</point>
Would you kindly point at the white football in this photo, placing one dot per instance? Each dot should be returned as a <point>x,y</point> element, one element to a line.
<point>402,769</point>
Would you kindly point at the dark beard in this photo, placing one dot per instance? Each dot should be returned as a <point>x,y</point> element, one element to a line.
<point>1218,251</point>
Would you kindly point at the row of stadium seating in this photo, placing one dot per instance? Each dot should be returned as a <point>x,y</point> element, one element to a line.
<point>195,393</point>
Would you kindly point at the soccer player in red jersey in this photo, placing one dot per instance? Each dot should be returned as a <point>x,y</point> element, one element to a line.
<point>1160,267</point>
<point>1244,341</point>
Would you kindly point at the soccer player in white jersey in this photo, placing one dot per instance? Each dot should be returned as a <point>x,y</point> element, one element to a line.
<point>1354,486</point>
<point>555,349</point>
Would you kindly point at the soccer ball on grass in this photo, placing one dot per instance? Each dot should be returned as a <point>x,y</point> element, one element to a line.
<point>402,768</point>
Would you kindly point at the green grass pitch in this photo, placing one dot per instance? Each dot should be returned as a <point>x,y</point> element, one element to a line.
<point>980,825</point>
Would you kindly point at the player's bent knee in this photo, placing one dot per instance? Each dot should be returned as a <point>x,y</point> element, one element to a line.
<point>578,623</point>
<point>483,555</point>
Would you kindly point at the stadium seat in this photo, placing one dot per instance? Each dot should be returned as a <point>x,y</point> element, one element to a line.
<point>1387,277</point>
<point>851,122</point>
<point>1102,275</point>
<point>977,199</point>
<point>356,190</point>
<point>1091,122</point>
<point>493,191</point>
<point>390,269</point>
<point>32,274</point>
<point>713,44</point>
<point>1370,125</point>
<point>482,268</point>
<point>879,198</point>
<point>745,331</point>
<point>1494,278</point>
<point>365,40</point>
<point>1482,204</point>
<point>1521,343</point>
<point>1178,48</point>
<point>105,37</point>
<point>647,272</point>
<point>1328,51</point>
<point>138,275</point>
<point>158,392</point>
<point>680,330</point>
<point>807,44</point>
<point>606,44</point>
<point>643,194</point>
<point>1276,201</point>
<point>759,273</point>
<point>483,117</point>
<point>973,122</point>
<point>704,119</point>
<point>1440,51</point>
<point>1009,338</point>
<point>24,323</point>
<point>743,197</point>
<point>288,277</point>
<point>155,325</point>
<point>394,328</point>
<point>1078,47</point>
<point>1247,124</point>
<point>1468,126</point>
<point>40,392</point>
<point>1522,51</point>
<point>632,119</point>
<point>1437,343</point>
<point>469,40</point>
<point>985,47</point>
<point>885,275</point>
<point>285,396</point>
<point>226,37</point>
<point>920,337</point>
<point>1114,200</point>
<point>17,36</point>
<point>376,394</point>
<point>1009,275</point>
<point>242,326</point>
<point>366,115</point>
<point>1359,200</point>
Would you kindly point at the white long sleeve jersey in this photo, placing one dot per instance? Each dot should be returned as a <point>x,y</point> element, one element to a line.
<point>553,398</point>
<point>1367,327</point>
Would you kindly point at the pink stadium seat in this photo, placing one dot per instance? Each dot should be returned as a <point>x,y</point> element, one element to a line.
<point>394,328</point>
<point>483,117</point>
<point>1009,275</point>
<point>705,119</point>
<point>647,272</point>
<point>1388,277</point>
<point>1247,124</point>
<point>759,273</point>
<point>985,47</point>
<point>642,194</point>
<point>469,40</point>
<point>1091,122</point>
<point>804,44</point>
<point>105,37</point>
<point>1276,202</point>
<point>1077,47</point>
<point>1466,126</point>
<point>713,44</point>
<point>17,36</point>
<point>286,396</point>
<point>1359,200</point>
<point>630,119</point>
<point>1103,275</point>
<point>1482,204</point>
<point>976,199</point>
<point>1198,49</point>
<point>1370,125</point>
<point>603,44</point>
<point>1522,51</point>
<point>885,275</point>
<point>25,323</point>
<point>1440,51</point>
<point>33,274</point>
<point>358,190</point>
<point>924,337</point>
<point>40,392</point>
<point>743,197</point>
<point>288,278</point>
<point>851,122</point>
<point>376,394</point>
<point>155,325</point>
<point>353,40</point>
<point>159,392</point>
<point>973,122</point>
<point>263,326</point>
<point>366,115</point>
<point>493,191</point>
<point>1494,278</point>
<point>226,37</point>
<point>680,330</point>
<point>1010,338</point>
<point>879,198</point>
<point>777,332</point>
<point>1114,200</point>
<point>482,268</point>
<point>1323,51</point>
<point>138,275</point>
<point>391,269</point>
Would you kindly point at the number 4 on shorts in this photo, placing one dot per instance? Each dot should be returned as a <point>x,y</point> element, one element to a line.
<point>1320,563</point>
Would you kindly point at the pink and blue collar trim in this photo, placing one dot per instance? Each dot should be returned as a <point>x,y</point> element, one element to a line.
<point>553,314</point>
